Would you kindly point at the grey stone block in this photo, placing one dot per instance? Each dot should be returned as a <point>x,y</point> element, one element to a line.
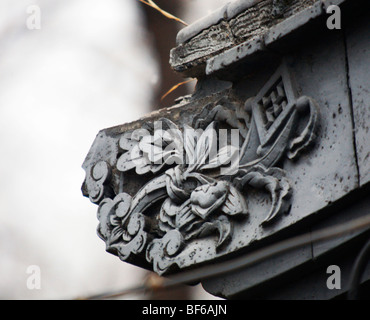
<point>229,57</point>
<point>291,24</point>
<point>233,24</point>
<point>358,48</point>
<point>198,26</point>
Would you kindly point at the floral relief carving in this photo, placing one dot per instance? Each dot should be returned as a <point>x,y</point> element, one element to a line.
<point>197,177</point>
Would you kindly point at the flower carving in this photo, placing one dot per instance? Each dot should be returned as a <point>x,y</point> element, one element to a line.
<point>208,197</point>
<point>195,183</point>
<point>122,232</point>
<point>197,204</point>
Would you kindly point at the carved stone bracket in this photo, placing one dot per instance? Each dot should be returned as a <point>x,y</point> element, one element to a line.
<point>196,178</point>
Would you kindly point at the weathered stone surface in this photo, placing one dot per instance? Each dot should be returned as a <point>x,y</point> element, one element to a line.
<point>242,20</point>
<point>358,47</point>
<point>277,33</point>
<point>289,275</point>
<point>207,43</point>
<point>253,21</point>
<point>331,171</point>
<point>202,24</point>
<point>249,14</point>
<point>250,48</point>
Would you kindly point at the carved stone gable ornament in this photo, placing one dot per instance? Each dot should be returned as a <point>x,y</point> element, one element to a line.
<point>273,143</point>
<point>197,179</point>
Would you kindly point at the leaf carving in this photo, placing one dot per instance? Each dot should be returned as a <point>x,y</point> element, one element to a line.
<point>190,140</point>
<point>223,157</point>
<point>220,224</point>
<point>274,182</point>
<point>235,203</point>
<point>205,144</point>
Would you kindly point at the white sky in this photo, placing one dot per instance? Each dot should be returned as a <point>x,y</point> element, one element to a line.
<point>86,69</point>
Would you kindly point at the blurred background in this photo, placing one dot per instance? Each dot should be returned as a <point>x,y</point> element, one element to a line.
<point>83,66</point>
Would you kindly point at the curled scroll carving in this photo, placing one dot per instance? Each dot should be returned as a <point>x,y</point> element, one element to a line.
<point>122,232</point>
<point>97,181</point>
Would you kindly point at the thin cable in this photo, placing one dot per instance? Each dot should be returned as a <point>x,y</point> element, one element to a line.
<point>219,269</point>
<point>110,295</point>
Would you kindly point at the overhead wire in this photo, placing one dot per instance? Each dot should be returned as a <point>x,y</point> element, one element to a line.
<point>210,271</point>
